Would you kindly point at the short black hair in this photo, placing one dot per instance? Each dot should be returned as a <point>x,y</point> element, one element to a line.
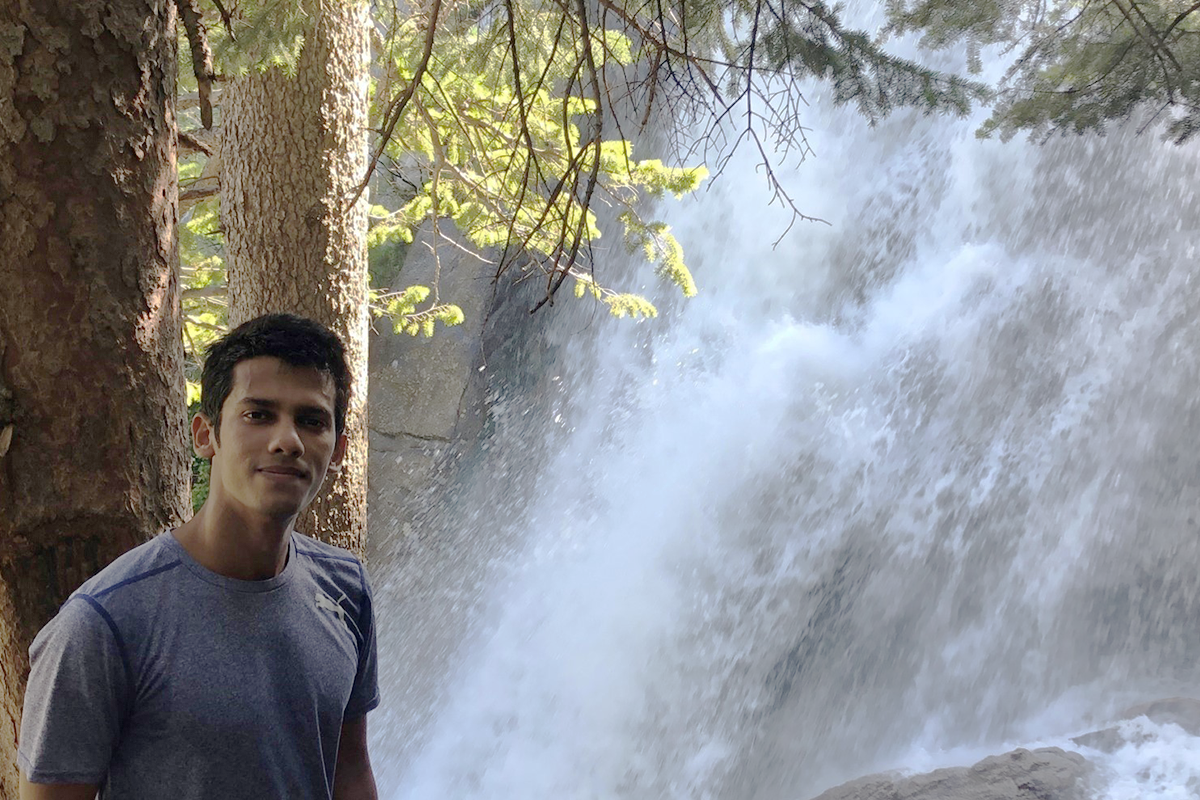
<point>294,340</point>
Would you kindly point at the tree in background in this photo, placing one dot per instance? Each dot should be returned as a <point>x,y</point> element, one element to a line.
<point>92,434</point>
<point>293,147</point>
<point>1079,65</point>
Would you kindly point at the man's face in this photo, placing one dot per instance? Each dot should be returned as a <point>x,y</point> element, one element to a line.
<point>277,439</point>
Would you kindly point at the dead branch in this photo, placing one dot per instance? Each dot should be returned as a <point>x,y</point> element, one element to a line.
<point>191,142</point>
<point>204,292</point>
<point>191,197</point>
<point>192,99</point>
<point>593,176</point>
<point>226,19</point>
<point>396,109</point>
<point>202,56</point>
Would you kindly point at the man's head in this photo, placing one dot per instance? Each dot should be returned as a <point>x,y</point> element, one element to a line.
<point>272,416</point>
<point>296,341</point>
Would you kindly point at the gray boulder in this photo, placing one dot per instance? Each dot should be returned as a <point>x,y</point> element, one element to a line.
<point>1181,711</point>
<point>1048,773</point>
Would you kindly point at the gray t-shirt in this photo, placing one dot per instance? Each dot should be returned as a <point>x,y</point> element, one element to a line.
<point>161,679</point>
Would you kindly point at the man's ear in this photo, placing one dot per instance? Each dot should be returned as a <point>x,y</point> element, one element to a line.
<point>339,452</point>
<point>204,436</point>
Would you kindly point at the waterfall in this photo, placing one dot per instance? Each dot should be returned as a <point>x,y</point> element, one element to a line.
<point>912,487</point>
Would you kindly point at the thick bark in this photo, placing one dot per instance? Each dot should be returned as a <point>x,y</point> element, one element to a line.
<point>91,387</point>
<point>293,149</point>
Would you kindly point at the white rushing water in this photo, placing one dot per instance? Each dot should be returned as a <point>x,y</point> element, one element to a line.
<point>912,488</point>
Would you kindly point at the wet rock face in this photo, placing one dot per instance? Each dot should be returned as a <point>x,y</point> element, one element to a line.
<point>1048,773</point>
<point>1181,711</point>
<point>426,395</point>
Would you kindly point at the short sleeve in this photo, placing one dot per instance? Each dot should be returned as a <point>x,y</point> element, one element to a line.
<point>78,690</point>
<point>364,696</point>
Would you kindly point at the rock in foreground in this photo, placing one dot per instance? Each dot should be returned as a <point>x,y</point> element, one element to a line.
<point>1181,711</point>
<point>1048,773</point>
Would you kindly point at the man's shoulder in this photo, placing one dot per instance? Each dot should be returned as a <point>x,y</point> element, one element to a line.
<point>136,568</point>
<point>334,563</point>
<point>115,597</point>
<point>317,550</point>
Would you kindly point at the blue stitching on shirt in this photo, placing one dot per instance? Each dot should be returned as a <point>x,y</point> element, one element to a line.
<point>331,557</point>
<point>136,578</point>
<point>94,603</point>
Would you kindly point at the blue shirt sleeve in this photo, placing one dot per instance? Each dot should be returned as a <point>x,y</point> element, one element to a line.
<point>364,696</point>
<point>78,691</point>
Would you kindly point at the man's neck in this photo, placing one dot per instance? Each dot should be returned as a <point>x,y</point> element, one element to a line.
<point>234,546</point>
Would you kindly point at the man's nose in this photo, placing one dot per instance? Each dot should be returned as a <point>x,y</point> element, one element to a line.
<point>286,439</point>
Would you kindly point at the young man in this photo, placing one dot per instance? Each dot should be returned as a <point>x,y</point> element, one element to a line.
<point>231,657</point>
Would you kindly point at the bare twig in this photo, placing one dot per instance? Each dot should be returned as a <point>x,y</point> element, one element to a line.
<point>203,292</point>
<point>190,197</point>
<point>530,160</point>
<point>190,143</point>
<point>202,56</point>
<point>439,161</point>
<point>396,110</point>
<point>226,19</point>
<point>595,142</point>
<point>1179,19</point>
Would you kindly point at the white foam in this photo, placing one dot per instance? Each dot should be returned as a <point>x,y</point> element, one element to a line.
<point>1156,761</point>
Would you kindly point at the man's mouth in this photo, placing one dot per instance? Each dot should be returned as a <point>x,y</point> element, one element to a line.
<point>285,472</point>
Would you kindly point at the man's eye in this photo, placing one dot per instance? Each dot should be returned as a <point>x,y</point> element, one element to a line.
<point>313,422</point>
<point>256,415</point>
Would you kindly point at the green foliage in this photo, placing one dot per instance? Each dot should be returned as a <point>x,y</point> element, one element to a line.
<point>944,23</point>
<point>201,470</point>
<point>620,304</point>
<point>402,309</point>
<point>497,150</point>
<point>661,247</point>
<point>265,34</point>
<point>630,305</point>
<point>809,40</point>
<point>1081,65</point>
<point>388,227</point>
<point>202,273</point>
<point>499,118</point>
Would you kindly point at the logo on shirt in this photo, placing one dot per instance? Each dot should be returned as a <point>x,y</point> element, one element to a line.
<point>326,603</point>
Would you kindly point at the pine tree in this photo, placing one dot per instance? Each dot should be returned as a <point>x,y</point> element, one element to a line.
<point>92,434</point>
<point>1080,65</point>
<point>293,147</point>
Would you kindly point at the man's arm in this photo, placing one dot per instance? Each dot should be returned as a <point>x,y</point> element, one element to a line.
<point>352,777</point>
<point>54,791</point>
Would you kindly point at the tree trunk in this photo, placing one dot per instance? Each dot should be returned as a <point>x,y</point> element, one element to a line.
<point>293,149</point>
<point>92,408</point>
